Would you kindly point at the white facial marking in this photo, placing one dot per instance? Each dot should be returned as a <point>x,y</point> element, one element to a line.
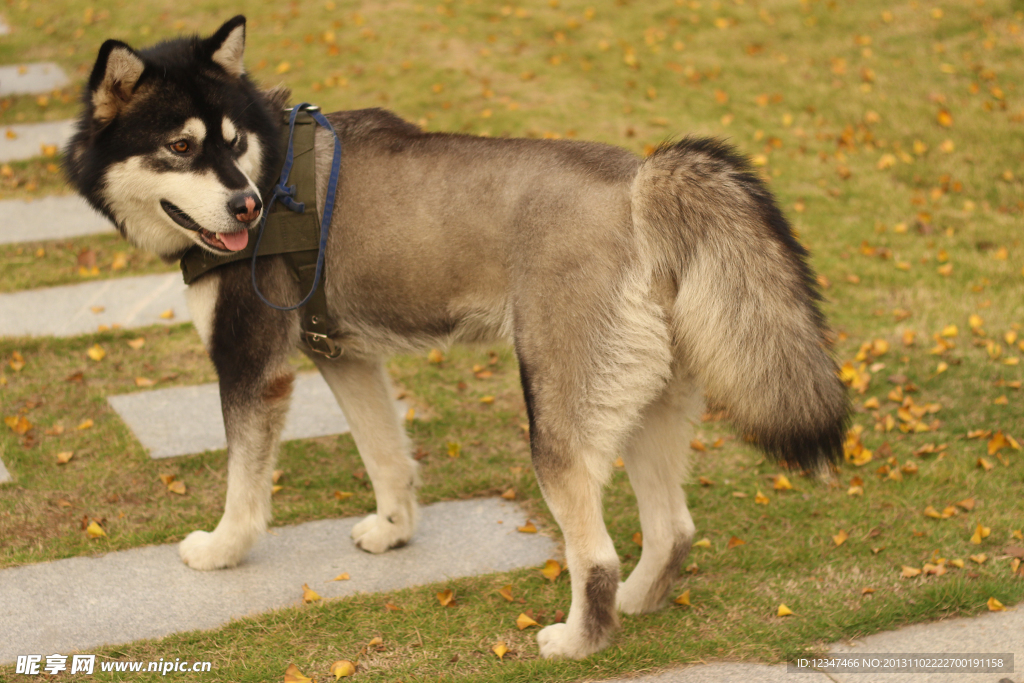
<point>194,128</point>
<point>227,129</point>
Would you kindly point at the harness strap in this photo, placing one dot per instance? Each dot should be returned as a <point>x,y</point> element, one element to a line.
<point>294,232</point>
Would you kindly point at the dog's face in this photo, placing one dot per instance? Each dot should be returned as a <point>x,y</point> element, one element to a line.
<point>175,143</point>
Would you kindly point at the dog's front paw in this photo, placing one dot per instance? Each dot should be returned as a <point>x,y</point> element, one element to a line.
<point>375,534</point>
<point>202,550</point>
<point>558,641</point>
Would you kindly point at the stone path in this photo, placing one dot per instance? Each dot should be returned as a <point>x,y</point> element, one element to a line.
<point>187,420</point>
<point>84,602</point>
<point>31,79</point>
<point>68,310</point>
<point>29,139</point>
<point>49,218</point>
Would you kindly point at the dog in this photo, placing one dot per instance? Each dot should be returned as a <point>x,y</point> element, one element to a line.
<point>632,289</point>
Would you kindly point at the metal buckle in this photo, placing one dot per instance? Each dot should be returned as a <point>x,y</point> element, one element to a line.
<point>323,344</point>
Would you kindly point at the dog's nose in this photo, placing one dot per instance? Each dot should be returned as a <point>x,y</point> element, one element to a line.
<point>245,207</point>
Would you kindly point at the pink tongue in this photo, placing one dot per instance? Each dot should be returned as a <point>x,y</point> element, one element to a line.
<point>235,241</point>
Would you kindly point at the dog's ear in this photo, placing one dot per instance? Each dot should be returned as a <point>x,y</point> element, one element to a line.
<point>226,47</point>
<point>113,79</point>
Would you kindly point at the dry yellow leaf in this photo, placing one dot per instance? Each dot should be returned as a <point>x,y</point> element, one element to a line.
<point>980,533</point>
<point>144,382</point>
<point>509,495</point>
<point>17,361</point>
<point>950,331</point>
<point>18,424</point>
<point>487,400</point>
<point>910,572</point>
<point>96,352</point>
<point>64,457</point>
<point>840,538</point>
<point>506,592</point>
<point>523,621</point>
<point>308,594</point>
<point>985,464</point>
<point>137,343</point>
<point>454,449</point>
<point>995,606</point>
<point>342,577</point>
<point>446,597</point>
<point>735,542</point>
<point>966,504</point>
<point>435,356</point>
<point>698,445</point>
<point>958,563</point>
<point>343,495</point>
<point>855,491</point>
<point>168,314</point>
<point>761,499</point>
<point>293,675</point>
<point>683,598</point>
<point>702,543</point>
<point>944,118</point>
<point>551,570</point>
<point>866,590</point>
<point>410,415</point>
<point>782,483</point>
<point>979,558</point>
<point>499,648</point>
<point>784,611</point>
<point>527,528</point>
<point>85,424</point>
<point>167,479</point>
<point>342,668</point>
<point>177,487</point>
<point>94,530</point>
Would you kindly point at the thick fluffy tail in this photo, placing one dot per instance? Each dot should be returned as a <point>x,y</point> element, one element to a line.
<point>746,318</point>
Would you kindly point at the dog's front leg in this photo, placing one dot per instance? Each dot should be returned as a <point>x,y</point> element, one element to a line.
<point>249,345</point>
<point>363,390</point>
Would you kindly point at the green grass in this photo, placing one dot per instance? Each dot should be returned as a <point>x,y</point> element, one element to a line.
<point>839,103</point>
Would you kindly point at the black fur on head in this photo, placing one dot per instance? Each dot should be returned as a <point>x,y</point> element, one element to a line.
<point>135,96</point>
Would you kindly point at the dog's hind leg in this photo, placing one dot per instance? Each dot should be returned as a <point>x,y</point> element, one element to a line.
<point>364,392</point>
<point>656,461</point>
<point>249,344</point>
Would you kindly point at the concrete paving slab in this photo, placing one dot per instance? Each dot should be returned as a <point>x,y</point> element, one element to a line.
<point>5,476</point>
<point>990,633</point>
<point>29,138</point>
<point>49,218</point>
<point>186,420</point>
<point>29,79</point>
<point>727,672</point>
<point>83,602</point>
<point>67,311</point>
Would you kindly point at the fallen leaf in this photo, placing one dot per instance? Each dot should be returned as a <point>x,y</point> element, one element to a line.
<point>64,457</point>
<point>980,533</point>
<point>910,572</point>
<point>343,495</point>
<point>85,424</point>
<point>735,542</point>
<point>551,570</point>
<point>177,487</point>
<point>499,648</point>
<point>985,464</point>
<point>979,558</point>
<point>435,356</point>
<point>683,598</point>
<point>995,606</point>
<point>342,668</point>
<point>506,592</point>
<point>784,611</point>
<point>391,607</point>
<point>308,594</point>
<point>702,543</point>
<point>94,530</point>
<point>527,528</point>
<point>698,445</point>
<point>17,362</point>
<point>761,499</point>
<point>454,449</point>
<point>959,564</point>
<point>523,621</point>
<point>293,675</point>
<point>168,314</point>
<point>866,590</point>
<point>966,504</point>
<point>509,495</point>
<point>446,597</point>
<point>18,424</point>
<point>96,352</point>
<point>342,577</point>
<point>144,382</point>
<point>840,538</point>
<point>782,483</point>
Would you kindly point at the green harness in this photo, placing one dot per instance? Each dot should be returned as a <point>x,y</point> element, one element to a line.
<point>295,235</point>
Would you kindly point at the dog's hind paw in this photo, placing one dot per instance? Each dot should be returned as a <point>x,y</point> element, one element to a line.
<point>375,534</point>
<point>558,641</point>
<point>202,550</point>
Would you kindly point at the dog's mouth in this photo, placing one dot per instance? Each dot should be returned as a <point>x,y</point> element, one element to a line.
<point>221,241</point>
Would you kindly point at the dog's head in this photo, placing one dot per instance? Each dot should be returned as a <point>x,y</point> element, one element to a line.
<point>175,144</point>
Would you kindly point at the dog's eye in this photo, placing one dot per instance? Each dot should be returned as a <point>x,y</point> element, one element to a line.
<point>180,147</point>
<point>234,143</point>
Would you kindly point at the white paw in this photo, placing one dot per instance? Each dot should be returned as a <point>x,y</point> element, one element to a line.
<point>376,534</point>
<point>203,550</point>
<point>629,600</point>
<point>558,641</point>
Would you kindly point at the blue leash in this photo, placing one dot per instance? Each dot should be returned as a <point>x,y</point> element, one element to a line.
<point>286,195</point>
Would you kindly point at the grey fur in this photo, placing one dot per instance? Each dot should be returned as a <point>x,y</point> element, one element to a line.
<point>628,286</point>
